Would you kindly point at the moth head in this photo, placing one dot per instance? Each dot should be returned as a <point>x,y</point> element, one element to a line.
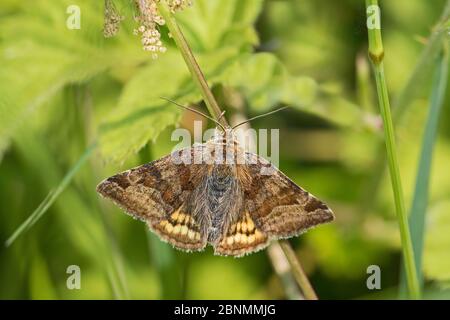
<point>224,133</point>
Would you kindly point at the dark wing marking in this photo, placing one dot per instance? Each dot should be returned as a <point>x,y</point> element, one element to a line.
<point>158,193</point>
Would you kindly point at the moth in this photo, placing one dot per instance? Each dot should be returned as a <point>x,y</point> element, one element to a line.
<point>216,193</point>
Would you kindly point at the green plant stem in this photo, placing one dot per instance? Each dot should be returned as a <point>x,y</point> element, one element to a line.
<point>215,112</point>
<point>191,63</point>
<point>376,53</point>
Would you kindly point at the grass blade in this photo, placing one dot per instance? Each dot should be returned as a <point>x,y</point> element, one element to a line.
<point>50,198</point>
<point>429,54</point>
<point>421,192</point>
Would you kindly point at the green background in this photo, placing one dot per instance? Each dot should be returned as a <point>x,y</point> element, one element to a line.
<point>62,90</point>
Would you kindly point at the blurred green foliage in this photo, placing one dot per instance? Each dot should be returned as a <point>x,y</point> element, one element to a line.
<point>61,90</point>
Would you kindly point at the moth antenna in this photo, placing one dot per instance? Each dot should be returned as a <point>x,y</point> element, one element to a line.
<point>221,115</point>
<point>197,112</point>
<point>260,116</point>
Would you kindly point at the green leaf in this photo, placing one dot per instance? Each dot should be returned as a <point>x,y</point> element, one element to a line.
<point>212,24</point>
<point>142,111</point>
<point>436,259</point>
<point>265,82</point>
<point>40,55</point>
<point>141,114</point>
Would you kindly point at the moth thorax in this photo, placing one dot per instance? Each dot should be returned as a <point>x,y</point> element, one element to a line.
<point>225,148</point>
<point>222,173</point>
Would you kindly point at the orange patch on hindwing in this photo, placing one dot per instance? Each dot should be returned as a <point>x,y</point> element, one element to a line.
<point>180,226</point>
<point>242,236</point>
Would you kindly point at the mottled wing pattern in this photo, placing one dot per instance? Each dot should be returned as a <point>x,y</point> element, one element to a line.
<point>158,193</point>
<point>275,207</point>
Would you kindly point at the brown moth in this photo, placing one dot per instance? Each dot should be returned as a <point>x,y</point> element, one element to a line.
<point>216,193</point>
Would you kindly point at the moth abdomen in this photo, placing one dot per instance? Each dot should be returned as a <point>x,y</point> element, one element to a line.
<point>222,200</point>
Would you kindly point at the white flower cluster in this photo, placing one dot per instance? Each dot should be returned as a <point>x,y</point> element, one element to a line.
<point>149,20</point>
<point>112,20</point>
<point>177,5</point>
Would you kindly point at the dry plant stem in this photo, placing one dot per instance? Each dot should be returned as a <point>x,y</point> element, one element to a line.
<point>297,270</point>
<point>376,53</point>
<point>215,112</point>
<point>284,272</point>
